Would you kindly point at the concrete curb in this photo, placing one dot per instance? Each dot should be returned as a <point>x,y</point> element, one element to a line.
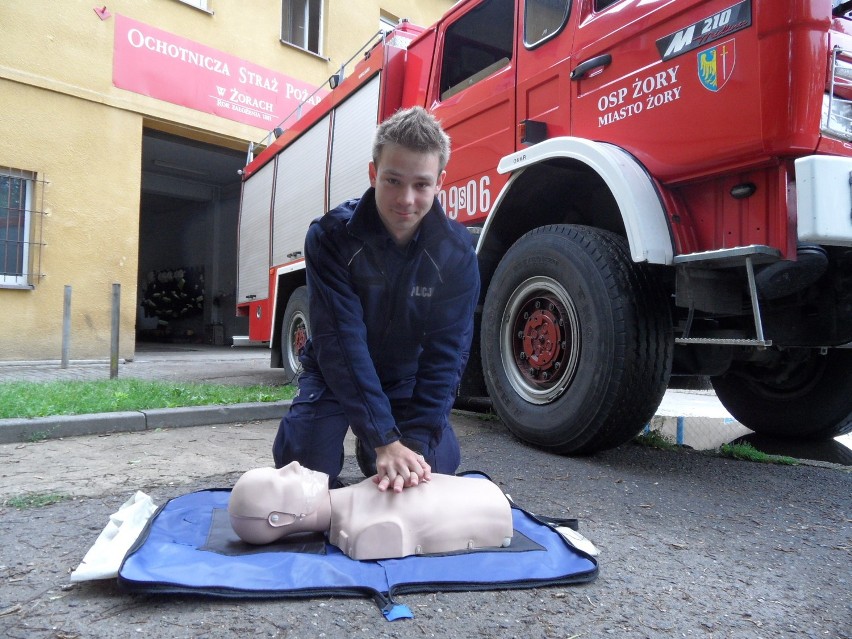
<point>57,363</point>
<point>35,429</point>
<point>698,411</point>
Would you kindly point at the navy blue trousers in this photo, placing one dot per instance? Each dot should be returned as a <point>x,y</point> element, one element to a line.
<point>313,430</point>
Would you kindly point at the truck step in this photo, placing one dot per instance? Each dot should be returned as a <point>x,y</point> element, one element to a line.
<point>723,341</point>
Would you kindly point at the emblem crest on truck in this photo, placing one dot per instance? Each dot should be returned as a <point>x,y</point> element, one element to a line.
<point>716,64</point>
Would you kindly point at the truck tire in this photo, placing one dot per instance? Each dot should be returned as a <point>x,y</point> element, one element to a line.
<point>294,332</point>
<point>802,395</point>
<point>577,340</point>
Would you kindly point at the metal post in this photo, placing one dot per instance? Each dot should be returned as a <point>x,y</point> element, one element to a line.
<point>66,326</point>
<point>116,315</point>
<point>755,305</point>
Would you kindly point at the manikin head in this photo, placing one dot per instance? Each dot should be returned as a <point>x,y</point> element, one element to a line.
<point>267,503</point>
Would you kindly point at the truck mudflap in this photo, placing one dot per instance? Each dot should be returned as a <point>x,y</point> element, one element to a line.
<point>824,200</point>
<point>634,191</point>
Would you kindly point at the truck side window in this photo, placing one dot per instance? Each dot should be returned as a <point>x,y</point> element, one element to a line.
<point>600,5</point>
<point>543,19</point>
<point>476,45</point>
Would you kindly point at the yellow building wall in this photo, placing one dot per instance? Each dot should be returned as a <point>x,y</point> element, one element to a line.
<point>64,119</point>
<point>88,154</point>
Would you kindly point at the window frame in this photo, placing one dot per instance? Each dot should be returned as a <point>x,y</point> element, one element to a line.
<point>603,5</point>
<point>20,279</point>
<point>455,39</point>
<point>555,32</point>
<point>201,5</point>
<point>287,25</point>
<point>386,24</point>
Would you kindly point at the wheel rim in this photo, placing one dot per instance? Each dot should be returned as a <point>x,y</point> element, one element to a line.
<point>297,334</point>
<point>795,377</point>
<point>540,340</point>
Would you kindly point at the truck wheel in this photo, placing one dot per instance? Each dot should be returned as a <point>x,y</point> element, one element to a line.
<point>294,331</point>
<point>801,394</point>
<point>576,340</point>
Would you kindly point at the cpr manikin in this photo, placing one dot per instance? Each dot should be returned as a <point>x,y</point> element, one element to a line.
<point>444,514</point>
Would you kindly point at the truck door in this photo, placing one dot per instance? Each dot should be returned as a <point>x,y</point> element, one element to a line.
<point>472,95</point>
<point>544,43</point>
<point>648,76</point>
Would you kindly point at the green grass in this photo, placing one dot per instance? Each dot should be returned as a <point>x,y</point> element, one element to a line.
<point>35,500</point>
<point>655,439</point>
<point>31,399</point>
<point>748,452</point>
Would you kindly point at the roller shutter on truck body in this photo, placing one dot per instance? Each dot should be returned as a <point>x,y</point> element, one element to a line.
<point>354,126</point>
<point>299,191</point>
<point>300,182</point>
<point>252,280</point>
<point>300,172</point>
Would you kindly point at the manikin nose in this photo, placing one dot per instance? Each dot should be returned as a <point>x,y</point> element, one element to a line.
<point>292,466</point>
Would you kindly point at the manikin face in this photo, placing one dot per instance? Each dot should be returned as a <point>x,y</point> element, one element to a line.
<point>266,503</point>
<point>406,184</point>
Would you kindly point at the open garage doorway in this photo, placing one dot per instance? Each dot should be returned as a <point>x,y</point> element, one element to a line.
<point>188,215</point>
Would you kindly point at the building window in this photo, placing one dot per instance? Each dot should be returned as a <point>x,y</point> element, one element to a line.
<point>301,24</point>
<point>387,24</point>
<point>198,4</point>
<point>20,223</point>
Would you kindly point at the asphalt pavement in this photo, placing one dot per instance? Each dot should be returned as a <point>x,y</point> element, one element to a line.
<point>692,544</point>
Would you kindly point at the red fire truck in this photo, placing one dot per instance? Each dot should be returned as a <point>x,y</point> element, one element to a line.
<point>654,187</point>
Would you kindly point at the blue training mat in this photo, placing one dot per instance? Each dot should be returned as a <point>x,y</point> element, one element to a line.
<point>188,547</point>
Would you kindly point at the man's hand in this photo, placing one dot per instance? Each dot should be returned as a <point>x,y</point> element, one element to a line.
<point>398,467</point>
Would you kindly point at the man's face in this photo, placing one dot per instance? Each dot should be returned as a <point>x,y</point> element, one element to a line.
<point>406,183</point>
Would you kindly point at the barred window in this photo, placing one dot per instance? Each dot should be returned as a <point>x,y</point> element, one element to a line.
<point>20,228</point>
<point>301,24</point>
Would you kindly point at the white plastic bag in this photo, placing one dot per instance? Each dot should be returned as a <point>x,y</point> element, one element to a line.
<point>104,558</point>
<point>578,541</point>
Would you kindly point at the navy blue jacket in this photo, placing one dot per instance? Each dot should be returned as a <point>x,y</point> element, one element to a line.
<point>389,323</point>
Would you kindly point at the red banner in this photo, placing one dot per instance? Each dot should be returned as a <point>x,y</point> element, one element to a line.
<point>165,66</point>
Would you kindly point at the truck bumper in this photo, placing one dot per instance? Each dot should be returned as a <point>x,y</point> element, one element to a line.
<point>824,200</point>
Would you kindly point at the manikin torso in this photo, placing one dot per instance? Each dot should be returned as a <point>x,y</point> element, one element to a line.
<point>442,515</point>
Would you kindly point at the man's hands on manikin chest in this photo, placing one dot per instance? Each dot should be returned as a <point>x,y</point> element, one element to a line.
<point>399,467</point>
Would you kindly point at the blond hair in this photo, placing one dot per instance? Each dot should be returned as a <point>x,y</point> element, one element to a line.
<point>414,129</point>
